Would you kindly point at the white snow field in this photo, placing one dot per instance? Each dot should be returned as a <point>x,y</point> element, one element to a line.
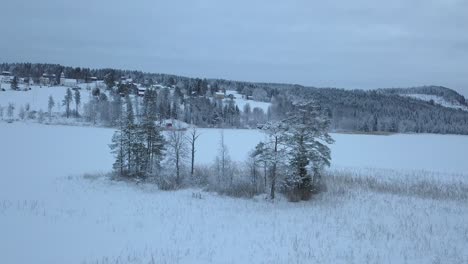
<point>38,97</point>
<point>51,213</point>
<point>241,102</point>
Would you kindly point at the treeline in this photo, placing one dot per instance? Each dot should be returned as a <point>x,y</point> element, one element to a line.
<point>291,159</point>
<point>373,111</point>
<point>103,108</point>
<point>448,94</point>
<point>382,110</point>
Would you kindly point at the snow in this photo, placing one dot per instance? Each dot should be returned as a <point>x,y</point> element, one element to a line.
<point>438,100</point>
<point>37,97</point>
<point>442,153</point>
<point>50,213</point>
<point>241,102</point>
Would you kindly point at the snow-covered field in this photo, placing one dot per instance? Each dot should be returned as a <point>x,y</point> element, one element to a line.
<point>50,213</point>
<point>241,102</point>
<point>38,97</point>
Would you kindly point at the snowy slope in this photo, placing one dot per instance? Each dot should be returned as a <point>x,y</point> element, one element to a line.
<point>38,97</point>
<point>241,102</point>
<point>49,213</point>
<point>438,100</point>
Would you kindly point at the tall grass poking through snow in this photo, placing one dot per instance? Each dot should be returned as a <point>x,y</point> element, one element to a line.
<point>422,184</point>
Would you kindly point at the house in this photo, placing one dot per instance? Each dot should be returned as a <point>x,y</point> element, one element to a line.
<point>6,77</point>
<point>219,95</point>
<point>141,91</point>
<point>67,82</point>
<point>126,80</point>
<point>44,79</point>
<point>47,79</point>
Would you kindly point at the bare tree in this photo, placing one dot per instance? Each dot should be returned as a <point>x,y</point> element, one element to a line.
<point>223,161</point>
<point>192,138</point>
<point>272,152</point>
<point>177,150</point>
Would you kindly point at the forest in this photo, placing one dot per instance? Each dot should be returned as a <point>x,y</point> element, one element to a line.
<point>367,111</point>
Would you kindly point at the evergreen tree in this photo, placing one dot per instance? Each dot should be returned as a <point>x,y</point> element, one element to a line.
<point>307,138</point>
<point>77,97</point>
<point>118,149</point>
<point>14,83</point>
<point>129,133</point>
<point>22,113</point>
<point>50,106</point>
<point>109,79</point>
<point>68,98</point>
<point>10,111</point>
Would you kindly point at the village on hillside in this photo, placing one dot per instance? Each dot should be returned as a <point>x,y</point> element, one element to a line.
<point>10,81</point>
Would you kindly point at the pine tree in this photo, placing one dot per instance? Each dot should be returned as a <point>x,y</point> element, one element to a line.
<point>77,97</point>
<point>129,133</point>
<point>10,111</point>
<point>307,138</point>
<point>14,83</point>
<point>117,148</point>
<point>154,140</point>
<point>22,113</point>
<point>109,79</point>
<point>68,98</point>
<point>50,106</point>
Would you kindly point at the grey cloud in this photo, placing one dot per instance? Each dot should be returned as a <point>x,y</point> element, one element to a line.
<point>350,44</point>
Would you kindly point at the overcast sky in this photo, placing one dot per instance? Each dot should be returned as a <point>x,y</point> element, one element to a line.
<point>347,44</point>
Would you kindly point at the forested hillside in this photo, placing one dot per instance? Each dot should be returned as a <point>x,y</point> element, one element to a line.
<point>380,110</point>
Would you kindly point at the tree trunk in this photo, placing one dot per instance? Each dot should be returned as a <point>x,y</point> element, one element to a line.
<point>273,173</point>
<point>193,157</point>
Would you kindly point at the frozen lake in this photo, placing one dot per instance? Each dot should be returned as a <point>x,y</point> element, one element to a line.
<point>50,214</point>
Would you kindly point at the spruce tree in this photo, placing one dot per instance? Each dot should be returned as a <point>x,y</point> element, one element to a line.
<point>307,138</point>
<point>77,97</point>
<point>50,106</point>
<point>67,100</point>
<point>14,83</point>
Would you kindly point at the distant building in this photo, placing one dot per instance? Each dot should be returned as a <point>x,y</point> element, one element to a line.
<point>141,90</point>
<point>72,83</point>
<point>47,79</point>
<point>6,77</point>
<point>126,80</point>
<point>219,96</point>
